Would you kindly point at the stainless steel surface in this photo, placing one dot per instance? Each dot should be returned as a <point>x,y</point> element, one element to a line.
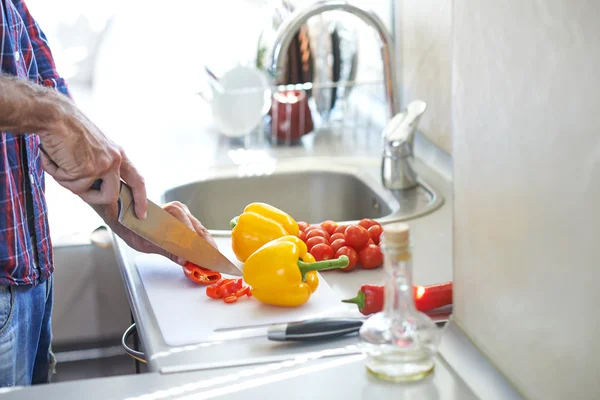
<point>172,235</point>
<point>397,164</point>
<point>310,189</point>
<point>285,33</point>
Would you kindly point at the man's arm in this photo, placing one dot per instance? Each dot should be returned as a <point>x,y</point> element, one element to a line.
<point>26,107</point>
<point>74,151</point>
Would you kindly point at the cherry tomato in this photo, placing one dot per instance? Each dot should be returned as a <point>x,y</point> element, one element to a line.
<point>302,225</point>
<point>336,236</point>
<point>367,223</point>
<point>337,244</point>
<point>230,299</point>
<point>302,236</point>
<point>369,242</point>
<point>352,257</point>
<point>340,229</point>
<point>370,257</point>
<point>356,236</point>
<point>318,232</point>
<point>311,227</point>
<point>375,232</point>
<point>322,252</point>
<point>329,226</point>
<point>314,241</point>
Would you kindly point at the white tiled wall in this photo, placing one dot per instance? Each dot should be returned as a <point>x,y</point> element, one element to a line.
<point>423,30</point>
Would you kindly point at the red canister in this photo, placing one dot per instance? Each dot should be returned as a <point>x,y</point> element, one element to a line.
<point>290,116</point>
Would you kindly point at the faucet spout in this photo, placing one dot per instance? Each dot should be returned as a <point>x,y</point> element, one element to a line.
<point>286,31</point>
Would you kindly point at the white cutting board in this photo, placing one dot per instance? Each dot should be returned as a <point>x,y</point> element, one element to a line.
<point>187,316</point>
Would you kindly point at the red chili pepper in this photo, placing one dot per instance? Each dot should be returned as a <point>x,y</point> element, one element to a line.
<point>432,296</point>
<point>370,298</point>
<point>200,275</point>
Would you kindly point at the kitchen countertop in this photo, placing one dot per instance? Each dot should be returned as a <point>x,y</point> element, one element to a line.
<point>275,369</point>
<point>336,378</point>
<point>432,238</point>
<point>276,364</point>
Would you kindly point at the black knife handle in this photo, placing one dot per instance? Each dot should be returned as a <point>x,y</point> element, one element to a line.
<point>97,184</point>
<point>315,329</point>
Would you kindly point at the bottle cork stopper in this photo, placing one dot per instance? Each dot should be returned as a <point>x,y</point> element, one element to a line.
<point>397,234</point>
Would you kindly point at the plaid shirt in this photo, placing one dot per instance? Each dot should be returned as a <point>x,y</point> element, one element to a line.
<point>25,247</point>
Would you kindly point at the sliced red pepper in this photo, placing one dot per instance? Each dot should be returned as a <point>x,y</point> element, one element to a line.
<point>230,287</point>
<point>231,299</point>
<point>213,291</point>
<point>243,291</point>
<point>200,275</point>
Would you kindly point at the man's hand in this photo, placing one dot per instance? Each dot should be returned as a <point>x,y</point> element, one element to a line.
<point>74,151</point>
<point>180,211</point>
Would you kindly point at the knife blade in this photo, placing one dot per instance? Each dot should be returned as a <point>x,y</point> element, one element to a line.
<point>170,234</point>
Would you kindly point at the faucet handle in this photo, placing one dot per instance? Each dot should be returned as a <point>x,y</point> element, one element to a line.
<point>403,125</point>
<point>397,171</point>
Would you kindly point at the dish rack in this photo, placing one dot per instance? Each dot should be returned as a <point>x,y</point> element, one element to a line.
<point>299,112</point>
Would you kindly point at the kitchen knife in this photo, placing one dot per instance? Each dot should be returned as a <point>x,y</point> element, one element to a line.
<point>307,330</point>
<point>170,234</point>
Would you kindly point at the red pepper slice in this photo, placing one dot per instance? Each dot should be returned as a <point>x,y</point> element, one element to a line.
<point>230,287</point>
<point>231,299</point>
<point>213,291</point>
<point>200,275</point>
<point>243,291</point>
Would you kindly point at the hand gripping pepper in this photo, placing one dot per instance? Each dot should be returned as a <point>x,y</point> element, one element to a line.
<point>259,224</point>
<point>282,273</point>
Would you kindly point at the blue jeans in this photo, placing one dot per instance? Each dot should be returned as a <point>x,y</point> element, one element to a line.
<point>26,334</point>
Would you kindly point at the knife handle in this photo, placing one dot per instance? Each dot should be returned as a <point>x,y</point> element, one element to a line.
<point>314,329</point>
<point>97,184</point>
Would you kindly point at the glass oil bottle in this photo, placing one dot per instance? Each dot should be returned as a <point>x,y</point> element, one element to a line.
<point>400,342</point>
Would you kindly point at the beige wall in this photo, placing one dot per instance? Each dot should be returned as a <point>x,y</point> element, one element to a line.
<point>423,34</point>
<point>527,190</point>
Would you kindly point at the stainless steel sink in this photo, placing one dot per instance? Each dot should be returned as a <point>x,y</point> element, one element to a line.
<point>308,190</point>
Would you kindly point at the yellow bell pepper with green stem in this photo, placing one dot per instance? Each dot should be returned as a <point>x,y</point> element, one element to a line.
<point>259,224</point>
<point>283,273</point>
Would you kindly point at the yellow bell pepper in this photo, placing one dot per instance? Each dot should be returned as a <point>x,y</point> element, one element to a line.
<point>283,273</point>
<point>259,224</point>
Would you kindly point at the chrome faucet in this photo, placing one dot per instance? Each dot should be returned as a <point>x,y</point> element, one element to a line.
<point>397,163</point>
<point>397,172</point>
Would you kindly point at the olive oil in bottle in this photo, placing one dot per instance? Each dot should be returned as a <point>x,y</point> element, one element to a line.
<point>400,342</point>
